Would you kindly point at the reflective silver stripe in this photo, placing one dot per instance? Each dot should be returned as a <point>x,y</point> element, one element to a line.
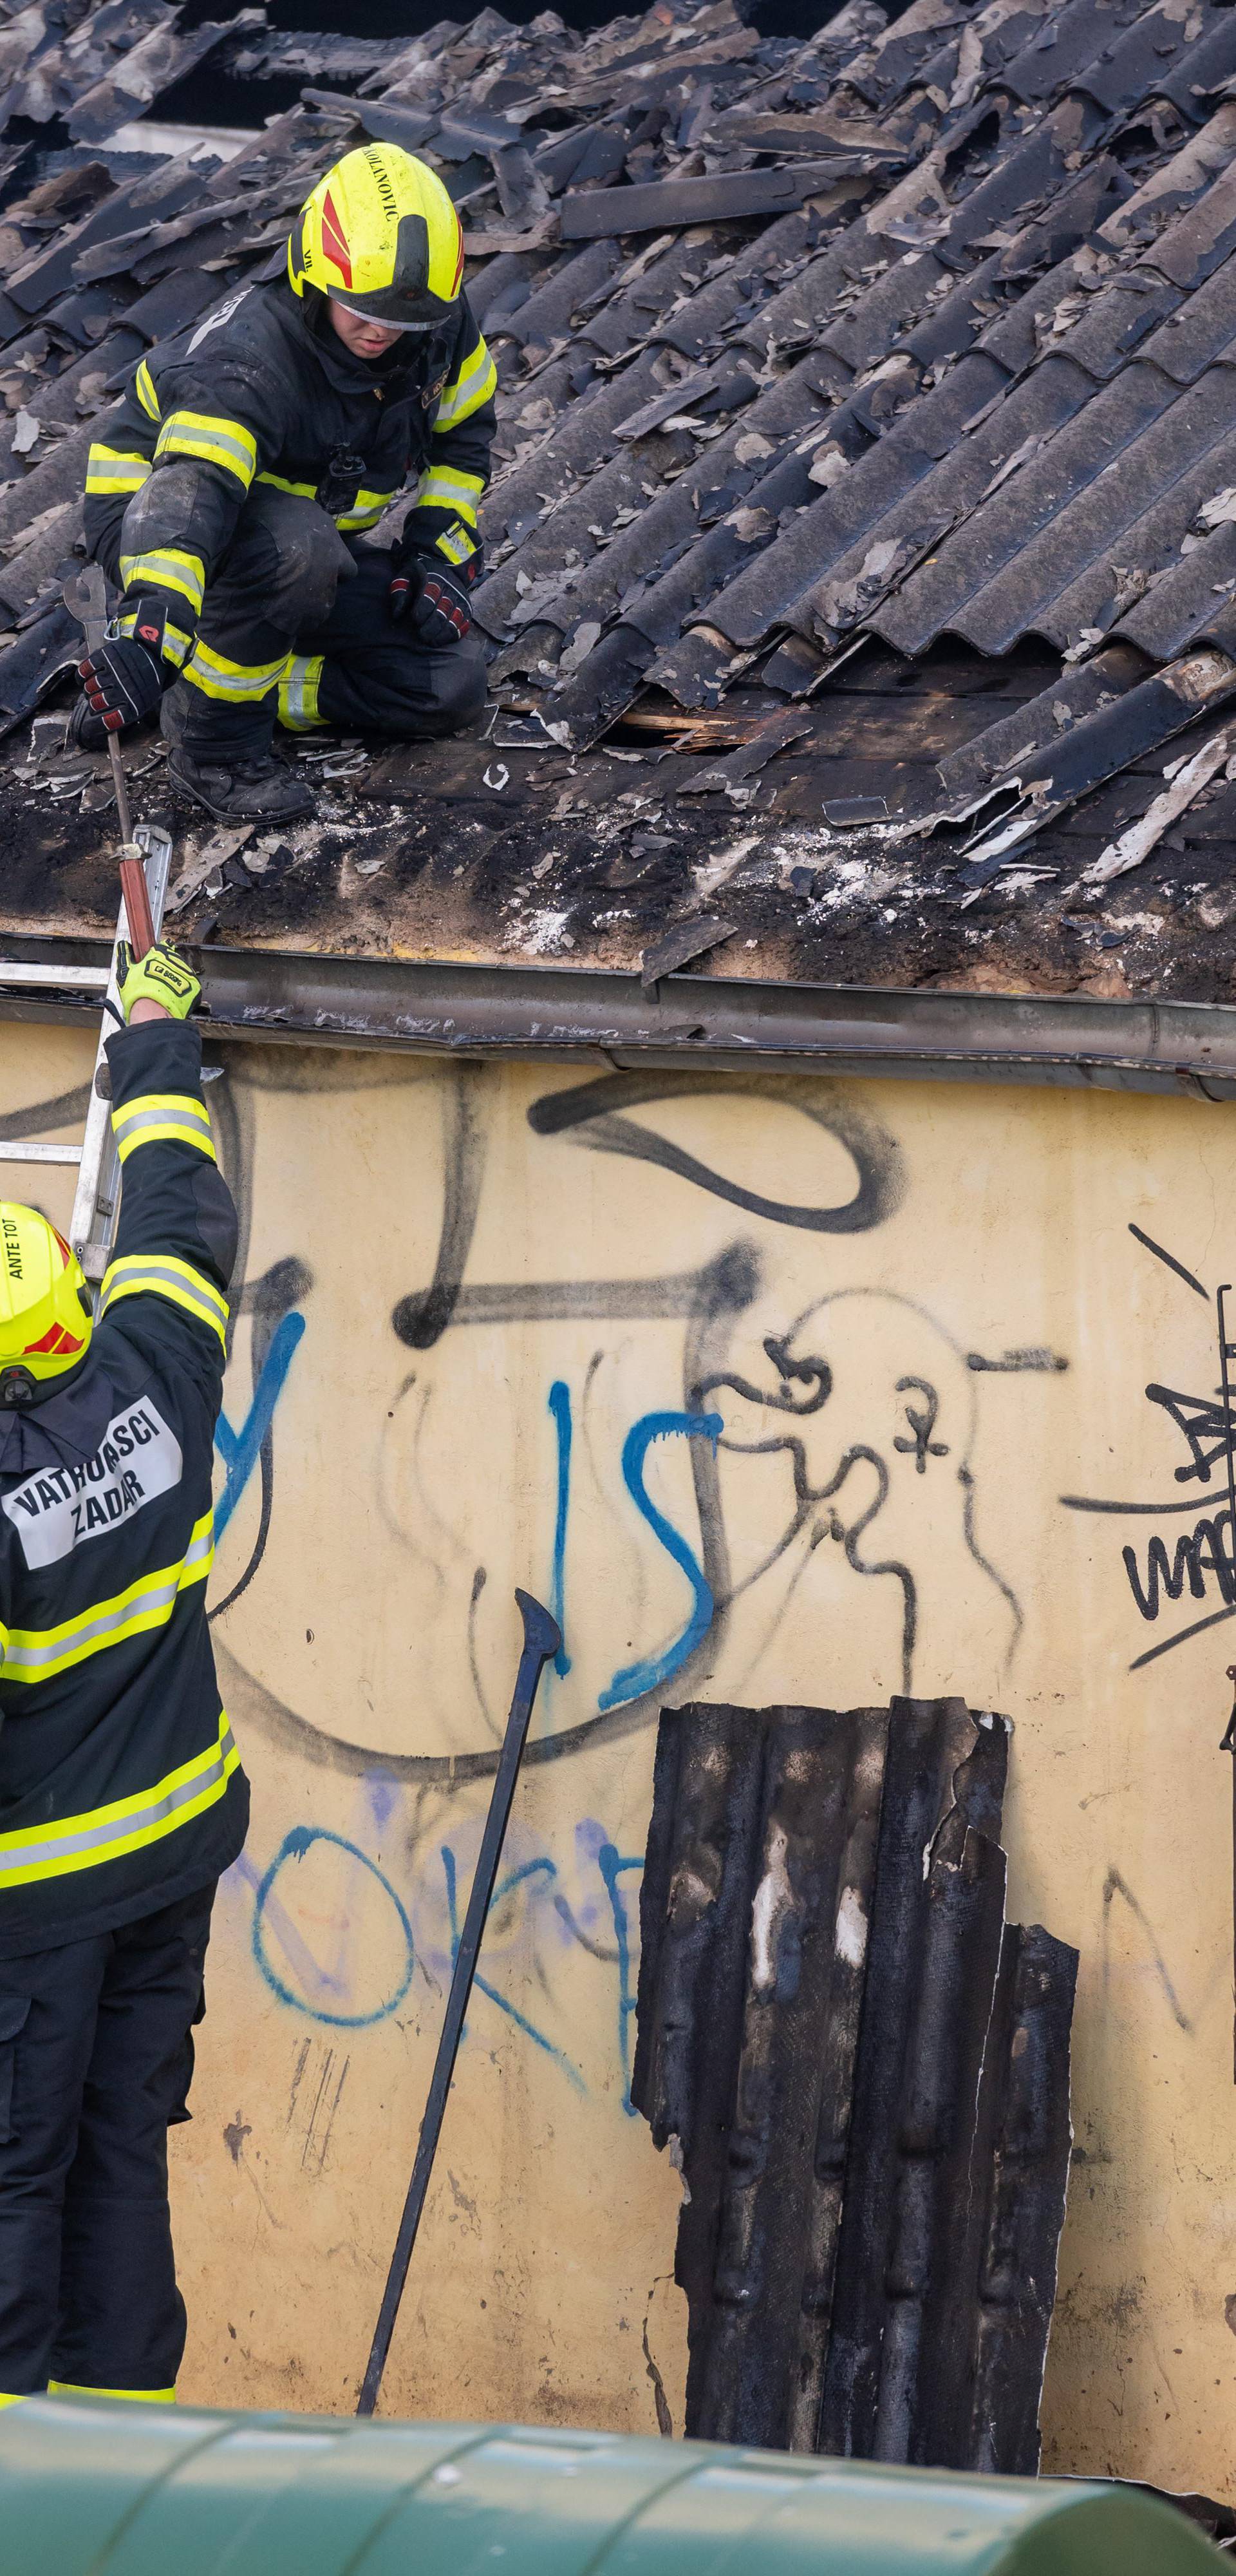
<point>178,1281</point>
<point>456,544</point>
<point>192,433</point>
<point>93,1629</point>
<point>178,1124</point>
<point>218,678</point>
<point>367,507</point>
<point>443,489</point>
<point>298,693</point>
<point>132,1122</point>
<point>476,381</point>
<point>142,1821</point>
<point>168,568</point>
<point>162,1275</point>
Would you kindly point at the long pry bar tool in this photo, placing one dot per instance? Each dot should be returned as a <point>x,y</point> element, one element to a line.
<point>85,598</point>
<point>542,1638</point>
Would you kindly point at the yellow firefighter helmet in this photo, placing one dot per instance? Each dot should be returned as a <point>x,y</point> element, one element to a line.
<point>46,1317</point>
<point>380,234</point>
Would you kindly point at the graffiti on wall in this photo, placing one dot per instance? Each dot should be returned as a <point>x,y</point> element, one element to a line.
<point>1197,1563</point>
<point>742,1445</point>
<point>857,1395</point>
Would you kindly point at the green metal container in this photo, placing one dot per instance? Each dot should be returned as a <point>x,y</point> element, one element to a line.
<point>93,2487</point>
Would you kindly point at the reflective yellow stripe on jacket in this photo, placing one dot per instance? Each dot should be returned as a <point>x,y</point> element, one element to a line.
<point>131,2396</point>
<point>445,487</point>
<point>114,469</point>
<point>217,677</point>
<point>298,693</point>
<point>106,1833</point>
<point>476,381</point>
<point>143,387</point>
<point>162,1118</point>
<point>158,1274</point>
<point>457,543</point>
<point>38,1654</point>
<point>166,568</point>
<point>300,491</point>
<point>217,442</point>
<point>366,510</point>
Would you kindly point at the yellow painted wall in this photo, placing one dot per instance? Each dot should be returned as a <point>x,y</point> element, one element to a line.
<point>615,1257</point>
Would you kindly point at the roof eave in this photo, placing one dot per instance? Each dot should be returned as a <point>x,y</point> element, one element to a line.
<point>439,1006</point>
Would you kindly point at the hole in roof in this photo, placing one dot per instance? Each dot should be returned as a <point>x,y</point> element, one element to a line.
<point>1139,145</point>
<point>973,148</point>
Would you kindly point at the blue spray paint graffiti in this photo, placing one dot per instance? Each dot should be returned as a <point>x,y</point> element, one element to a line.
<point>318,1981</point>
<point>612,1865</point>
<point>325,1989</point>
<point>560,1407</point>
<point>240,1450</point>
<point>652,1671</point>
<point>514,1878</point>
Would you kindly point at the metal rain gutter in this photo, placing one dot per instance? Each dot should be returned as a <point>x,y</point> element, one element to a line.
<point>440,1006</point>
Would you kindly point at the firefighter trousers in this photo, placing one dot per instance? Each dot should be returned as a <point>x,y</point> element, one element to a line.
<point>96,2059</point>
<point>294,624</point>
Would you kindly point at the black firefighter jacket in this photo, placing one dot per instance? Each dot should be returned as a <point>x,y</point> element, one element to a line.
<point>264,391</point>
<point>120,1784</point>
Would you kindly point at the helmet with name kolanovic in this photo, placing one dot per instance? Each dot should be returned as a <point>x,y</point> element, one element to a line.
<point>380,234</point>
<point>46,1317</point>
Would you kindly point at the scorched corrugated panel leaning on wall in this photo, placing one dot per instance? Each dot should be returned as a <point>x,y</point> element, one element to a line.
<point>864,2073</point>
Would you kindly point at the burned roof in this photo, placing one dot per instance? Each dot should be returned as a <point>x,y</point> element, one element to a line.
<point>862,2070</point>
<point>861,550</point>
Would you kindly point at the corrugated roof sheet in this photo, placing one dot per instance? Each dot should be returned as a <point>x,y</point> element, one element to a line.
<point>863,2072</point>
<point>956,382</point>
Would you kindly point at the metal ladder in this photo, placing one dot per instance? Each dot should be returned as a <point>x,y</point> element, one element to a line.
<point>92,1226</point>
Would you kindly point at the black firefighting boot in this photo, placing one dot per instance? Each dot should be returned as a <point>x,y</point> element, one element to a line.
<point>224,759</point>
<point>260,789</point>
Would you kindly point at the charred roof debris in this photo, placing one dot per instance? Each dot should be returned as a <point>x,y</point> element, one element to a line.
<point>865,490</point>
<point>862,2071</point>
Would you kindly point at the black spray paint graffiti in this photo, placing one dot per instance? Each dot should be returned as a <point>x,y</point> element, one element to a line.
<point>1204,1552</point>
<point>592,1113</point>
<point>845,1498</point>
<point>807,1380</point>
<point>708,1301</point>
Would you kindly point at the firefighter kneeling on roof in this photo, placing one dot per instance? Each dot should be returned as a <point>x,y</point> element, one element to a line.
<point>229,497</point>
<point>121,1793</point>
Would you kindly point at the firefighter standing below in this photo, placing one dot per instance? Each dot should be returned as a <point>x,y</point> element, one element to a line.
<point>227,498</point>
<point>121,1793</point>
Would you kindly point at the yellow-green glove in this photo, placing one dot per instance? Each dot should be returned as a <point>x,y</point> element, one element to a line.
<point>160,976</point>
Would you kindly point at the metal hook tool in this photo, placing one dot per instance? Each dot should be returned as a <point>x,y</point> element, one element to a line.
<point>542,1638</point>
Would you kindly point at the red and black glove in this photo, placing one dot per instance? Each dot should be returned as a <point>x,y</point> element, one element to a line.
<point>430,595</point>
<point>124,680</point>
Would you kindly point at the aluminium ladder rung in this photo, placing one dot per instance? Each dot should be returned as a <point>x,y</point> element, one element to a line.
<point>22,1153</point>
<point>75,979</point>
